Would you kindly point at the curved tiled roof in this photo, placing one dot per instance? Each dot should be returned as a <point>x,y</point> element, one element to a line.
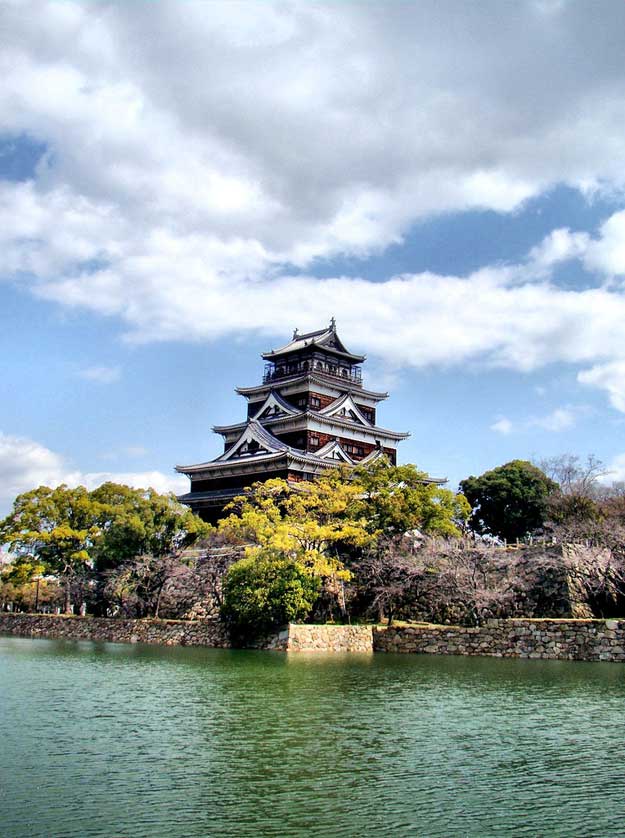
<point>326,339</point>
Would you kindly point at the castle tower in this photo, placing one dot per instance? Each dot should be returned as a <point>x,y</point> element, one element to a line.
<point>310,413</point>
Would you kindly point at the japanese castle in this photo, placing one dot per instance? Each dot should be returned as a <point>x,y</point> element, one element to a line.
<point>310,413</point>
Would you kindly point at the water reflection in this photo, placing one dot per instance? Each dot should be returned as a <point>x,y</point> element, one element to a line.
<point>104,739</point>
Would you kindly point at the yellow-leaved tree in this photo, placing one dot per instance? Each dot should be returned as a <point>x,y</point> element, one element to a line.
<point>310,521</point>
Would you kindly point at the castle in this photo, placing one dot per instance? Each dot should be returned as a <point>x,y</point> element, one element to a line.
<point>310,413</point>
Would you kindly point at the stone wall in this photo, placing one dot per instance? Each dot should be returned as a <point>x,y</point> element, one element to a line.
<point>329,638</point>
<point>589,640</point>
<point>116,630</point>
<point>295,638</point>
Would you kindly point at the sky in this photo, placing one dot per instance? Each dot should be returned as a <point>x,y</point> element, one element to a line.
<point>183,183</point>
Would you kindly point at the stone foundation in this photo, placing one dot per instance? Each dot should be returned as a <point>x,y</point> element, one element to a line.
<point>587,640</point>
<point>329,638</point>
<point>116,630</point>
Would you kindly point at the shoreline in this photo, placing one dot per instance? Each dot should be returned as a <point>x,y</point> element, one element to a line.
<point>533,638</point>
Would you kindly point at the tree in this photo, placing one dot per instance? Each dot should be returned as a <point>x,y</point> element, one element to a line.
<point>77,535</point>
<point>266,591</point>
<point>141,522</point>
<point>574,476</point>
<point>387,577</point>
<point>509,501</point>
<point>216,554</point>
<point>58,527</point>
<point>395,499</point>
<point>307,522</point>
<point>139,586</point>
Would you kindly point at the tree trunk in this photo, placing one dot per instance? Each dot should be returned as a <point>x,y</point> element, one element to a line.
<point>158,601</point>
<point>67,608</point>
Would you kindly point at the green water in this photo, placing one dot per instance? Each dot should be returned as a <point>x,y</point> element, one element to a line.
<point>113,740</point>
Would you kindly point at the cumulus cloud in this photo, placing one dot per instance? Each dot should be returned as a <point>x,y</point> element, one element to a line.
<point>194,158</point>
<point>26,464</point>
<point>609,377</point>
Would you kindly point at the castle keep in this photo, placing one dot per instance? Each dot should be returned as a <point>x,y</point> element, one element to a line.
<point>310,413</point>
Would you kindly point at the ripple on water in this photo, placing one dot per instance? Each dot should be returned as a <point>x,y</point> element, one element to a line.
<point>109,740</point>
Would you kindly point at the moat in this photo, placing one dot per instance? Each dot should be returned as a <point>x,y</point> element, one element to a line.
<point>133,740</point>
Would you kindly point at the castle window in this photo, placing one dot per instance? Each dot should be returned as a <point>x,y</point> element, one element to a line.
<point>357,450</point>
<point>315,401</point>
<point>314,441</point>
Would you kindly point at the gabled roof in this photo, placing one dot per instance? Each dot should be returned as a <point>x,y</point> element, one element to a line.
<point>333,450</point>
<point>376,454</point>
<point>277,405</point>
<point>266,442</point>
<point>326,339</point>
<point>346,408</point>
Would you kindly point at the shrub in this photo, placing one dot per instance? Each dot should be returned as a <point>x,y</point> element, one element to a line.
<point>266,591</point>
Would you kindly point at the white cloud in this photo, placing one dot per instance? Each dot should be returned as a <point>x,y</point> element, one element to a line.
<point>615,470</point>
<point>360,121</point>
<point>607,252</point>
<point>103,375</point>
<point>559,246</point>
<point>502,426</point>
<point>609,377</point>
<point>557,420</point>
<point>560,419</point>
<point>138,479</point>
<point>26,464</point>
<point>193,156</point>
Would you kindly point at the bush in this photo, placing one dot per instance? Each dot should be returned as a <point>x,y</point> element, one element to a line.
<point>266,591</point>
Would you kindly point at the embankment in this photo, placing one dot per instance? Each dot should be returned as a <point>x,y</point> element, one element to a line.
<point>549,639</point>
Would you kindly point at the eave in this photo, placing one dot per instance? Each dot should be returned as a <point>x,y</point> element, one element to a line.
<point>287,421</point>
<point>319,347</point>
<point>337,383</point>
<point>252,463</point>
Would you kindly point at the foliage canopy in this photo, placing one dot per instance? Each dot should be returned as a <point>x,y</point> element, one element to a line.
<point>509,501</point>
<point>266,591</point>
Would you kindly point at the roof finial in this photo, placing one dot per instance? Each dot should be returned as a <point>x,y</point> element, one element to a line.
<point>295,335</point>
<point>333,324</point>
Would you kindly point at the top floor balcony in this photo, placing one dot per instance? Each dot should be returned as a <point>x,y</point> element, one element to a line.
<point>280,370</point>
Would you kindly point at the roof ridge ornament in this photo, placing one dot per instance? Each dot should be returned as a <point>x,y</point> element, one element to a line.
<point>295,334</point>
<point>333,325</point>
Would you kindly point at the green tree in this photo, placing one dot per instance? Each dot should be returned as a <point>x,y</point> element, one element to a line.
<point>57,527</point>
<point>307,522</point>
<point>396,499</point>
<point>76,534</point>
<point>509,501</point>
<point>141,522</point>
<point>265,591</point>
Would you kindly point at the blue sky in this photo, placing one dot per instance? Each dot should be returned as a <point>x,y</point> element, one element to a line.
<point>405,168</point>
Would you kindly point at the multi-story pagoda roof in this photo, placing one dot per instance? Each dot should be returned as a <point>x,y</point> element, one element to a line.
<point>326,340</point>
<point>310,413</point>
